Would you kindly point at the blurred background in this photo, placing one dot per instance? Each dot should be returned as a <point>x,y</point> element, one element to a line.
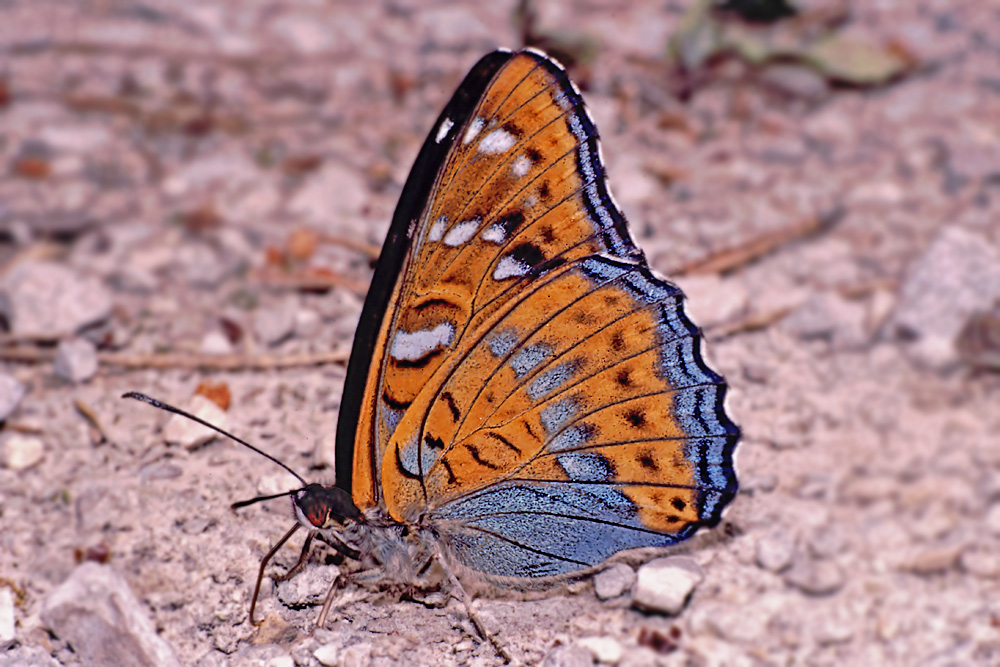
<point>193,196</point>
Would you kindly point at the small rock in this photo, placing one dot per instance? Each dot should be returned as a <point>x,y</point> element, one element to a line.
<point>933,560</point>
<point>568,656</point>
<point>216,343</point>
<point>606,650</point>
<point>815,577</point>
<point>182,431</point>
<point>959,274</point>
<point>8,630</point>
<point>95,612</point>
<point>325,452</point>
<point>48,301</point>
<point>981,563</point>
<point>306,323</point>
<point>274,325</point>
<point>327,654</point>
<point>664,584</point>
<point>774,552</point>
<point>11,393</point>
<point>614,581</point>
<point>21,451</point>
<point>309,587</point>
<point>76,360</point>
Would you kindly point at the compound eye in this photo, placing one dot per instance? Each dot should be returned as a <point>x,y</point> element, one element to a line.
<point>315,507</point>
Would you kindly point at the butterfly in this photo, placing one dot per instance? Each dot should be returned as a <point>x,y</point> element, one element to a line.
<point>525,397</point>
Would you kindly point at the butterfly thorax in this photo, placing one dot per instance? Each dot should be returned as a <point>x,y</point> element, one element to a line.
<point>390,552</point>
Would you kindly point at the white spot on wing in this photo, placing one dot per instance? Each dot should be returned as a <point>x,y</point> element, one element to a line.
<point>461,232</point>
<point>508,267</point>
<point>413,345</point>
<point>475,127</point>
<point>521,166</point>
<point>497,141</point>
<point>495,234</point>
<point>437,229</point>
<point>442,132</point>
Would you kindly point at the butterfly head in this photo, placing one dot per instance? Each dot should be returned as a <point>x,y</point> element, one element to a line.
<point>322,507</point>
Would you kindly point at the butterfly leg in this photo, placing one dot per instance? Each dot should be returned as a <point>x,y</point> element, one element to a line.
<point>300,563</point>
<point>459,591</point>
<point>263,563</point>
<point>338,585</point>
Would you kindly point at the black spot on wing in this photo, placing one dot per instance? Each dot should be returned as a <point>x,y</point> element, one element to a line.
<point>451,473</point>
<point>503,441</point>
<point>409,474</point>
<point>392,403</point>
<point>452,407</point>
<point>511,222</point>
<point>421,362</point>
<point>478,458</point>
<point>528,253</point>
<point>636,417</point>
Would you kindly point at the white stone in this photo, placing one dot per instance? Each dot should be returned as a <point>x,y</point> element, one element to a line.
<point>117,630</point>
<point>664,584</point>
<point>614,581</point>
<point>76,360</point>
<point>606,650</point>
<point>184,432</point>
<point>307,323</point>
<point>216,342</point>
<point>273,325</point>
<point>327,655</point>
<point>21,451</point>
<point>49,301</point>
<point>958,275</point>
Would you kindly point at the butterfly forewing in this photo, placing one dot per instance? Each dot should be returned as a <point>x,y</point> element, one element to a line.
<point>509,197</point>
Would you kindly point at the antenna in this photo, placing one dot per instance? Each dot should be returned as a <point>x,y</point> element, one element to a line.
<point>177,411</point>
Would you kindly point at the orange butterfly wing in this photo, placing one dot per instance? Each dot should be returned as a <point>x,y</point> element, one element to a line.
<point>530,373</point>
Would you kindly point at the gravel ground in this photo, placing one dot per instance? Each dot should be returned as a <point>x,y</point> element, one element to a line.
<point>177,176</point>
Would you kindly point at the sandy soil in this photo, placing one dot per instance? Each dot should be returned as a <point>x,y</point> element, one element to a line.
<point>166,151</point>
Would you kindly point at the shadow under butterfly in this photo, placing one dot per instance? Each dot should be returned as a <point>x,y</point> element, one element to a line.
<point>525,397</point>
